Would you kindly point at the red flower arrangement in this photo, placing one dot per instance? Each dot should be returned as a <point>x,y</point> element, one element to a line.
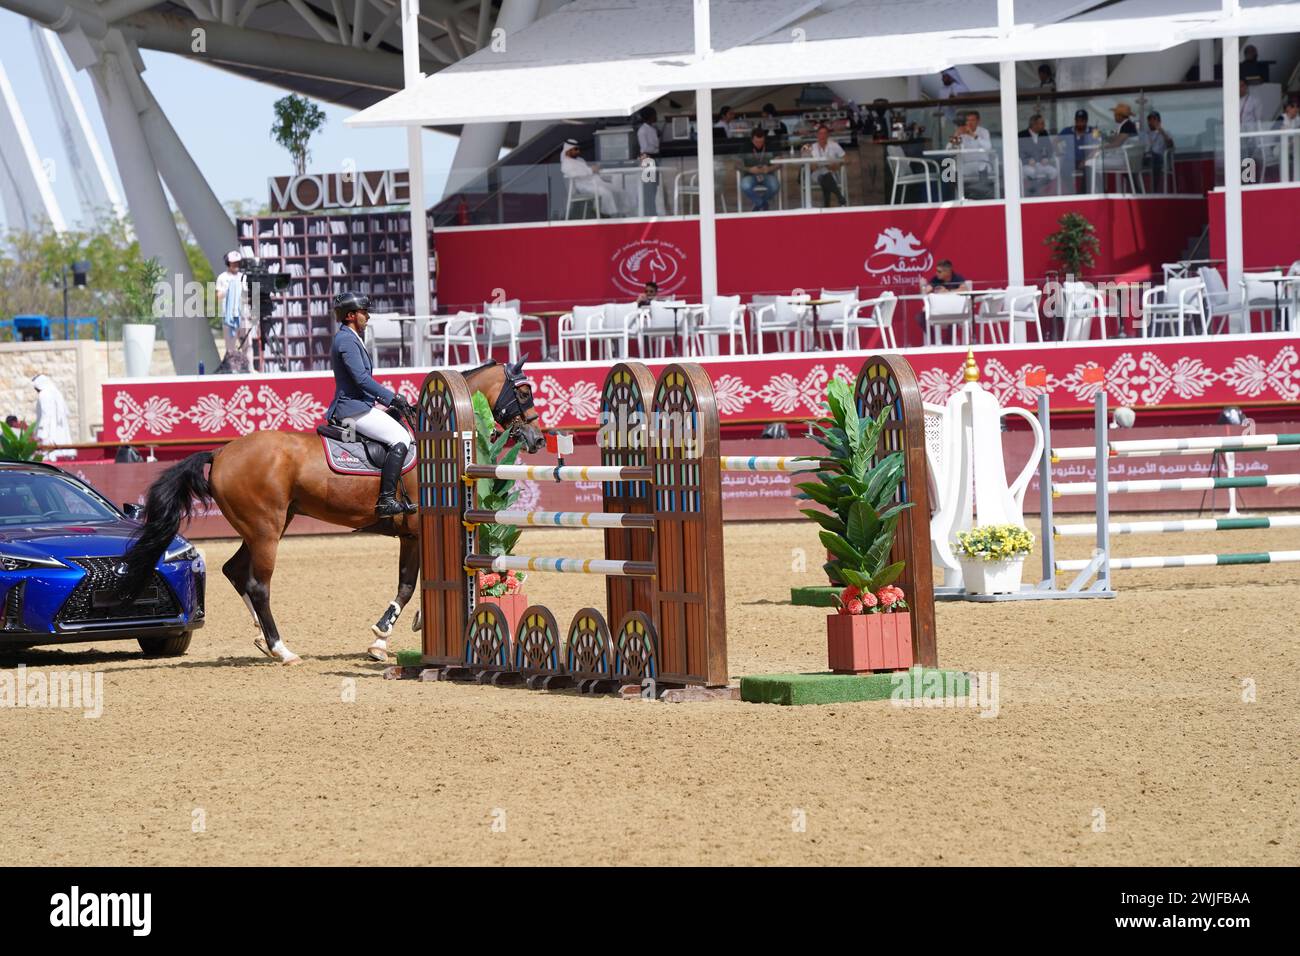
<point>886,600</point>
<point>493,584</point>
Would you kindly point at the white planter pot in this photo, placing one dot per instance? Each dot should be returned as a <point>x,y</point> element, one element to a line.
<point>137,348</point>
<point>992,577</point>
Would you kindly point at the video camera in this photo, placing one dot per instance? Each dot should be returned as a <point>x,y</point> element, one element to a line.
<point>263,284</point>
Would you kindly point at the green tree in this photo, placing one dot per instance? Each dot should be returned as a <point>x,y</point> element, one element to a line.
<point>296,120</point>
<point>1074,245</point>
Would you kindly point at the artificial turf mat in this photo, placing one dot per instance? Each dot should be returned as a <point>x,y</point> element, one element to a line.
<point>825,688</point>
<point>822,595</point>
<point>409,658</point>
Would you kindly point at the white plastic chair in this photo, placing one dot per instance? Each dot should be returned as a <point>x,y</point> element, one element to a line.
<point>881,316</point>
<point>686,186</point>
<point>579,324</point>
<point>1019,303</point>
<point>505,324</point>
<point>580,200</point>
<point>1083,303</point>
<point>1262,296</point>
<point>1119,161</point>
<point>622,324</point>
<point>384,333</point>
<point>946,310</point>
<point>721,315</point>
<point>1222,304</point>
<point>910,171</point>
<point>785,316</point>
<point>460,332</point>
<point>1177,301</point>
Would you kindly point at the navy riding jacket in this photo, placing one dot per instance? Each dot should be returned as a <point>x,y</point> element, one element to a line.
<point>355,389</point>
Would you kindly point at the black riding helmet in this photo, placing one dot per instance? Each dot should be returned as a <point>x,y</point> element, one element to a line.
<point>346,302</point>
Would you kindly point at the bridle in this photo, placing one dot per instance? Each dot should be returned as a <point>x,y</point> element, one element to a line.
<point>511,411</point>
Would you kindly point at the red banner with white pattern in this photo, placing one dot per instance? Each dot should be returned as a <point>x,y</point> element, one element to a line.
<point>1143,373</point>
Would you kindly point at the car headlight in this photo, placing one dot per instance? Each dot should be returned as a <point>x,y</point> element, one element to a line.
<point>21,562</point>
<point>186,552</point>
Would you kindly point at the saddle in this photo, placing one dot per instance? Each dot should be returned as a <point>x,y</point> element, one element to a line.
<point>365,456</point>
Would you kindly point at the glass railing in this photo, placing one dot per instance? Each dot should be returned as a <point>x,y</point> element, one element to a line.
<point>919,156</point>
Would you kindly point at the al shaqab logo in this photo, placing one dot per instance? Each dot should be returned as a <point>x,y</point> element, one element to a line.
<point>648,260</point>
<point>900,253</point>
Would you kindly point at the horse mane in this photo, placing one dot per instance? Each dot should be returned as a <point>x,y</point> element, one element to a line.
<point>488,364</point>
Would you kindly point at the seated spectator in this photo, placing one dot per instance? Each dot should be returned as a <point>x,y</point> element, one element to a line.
<point>15,423</point>
<point>1156,141</point>
<point>1290,118</point>
<point>1123,114</point>
<point>758,180</point>
<point>1037,156</point>
<point>586,180</point>
<point>649,294</point>
<point>1251,70</point>
<point>945,280</point>
<point>1252,114</point>
<point>1083,135</point>
<point>825,172</point>
<point>977,167</point>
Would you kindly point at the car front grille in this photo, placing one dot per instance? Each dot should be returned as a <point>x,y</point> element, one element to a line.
<point>98,597</point>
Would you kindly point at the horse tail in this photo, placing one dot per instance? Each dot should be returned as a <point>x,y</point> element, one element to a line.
<point>170,499</point>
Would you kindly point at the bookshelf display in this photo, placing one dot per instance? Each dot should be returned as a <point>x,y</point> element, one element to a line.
<point>322,255</point>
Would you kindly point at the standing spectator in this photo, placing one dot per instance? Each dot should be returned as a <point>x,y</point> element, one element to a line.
<point>1251,70</point>
<point>233,305</point>
<point>52,426</point>
<point>952,86</point>
<point>832,154</point>
<point>723,125</point>
<point>758,180</point>
<point>1156,142</point>
<point>1252,114</point>
<point>586,179</point>
<point>647,137</point>
<point>1046,78</point>
<point>1037,156</point>
<point>772,124</point>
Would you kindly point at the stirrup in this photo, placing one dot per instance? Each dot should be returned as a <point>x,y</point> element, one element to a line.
<point>388,506</point>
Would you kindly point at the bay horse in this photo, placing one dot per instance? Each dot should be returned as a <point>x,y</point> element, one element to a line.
<point>262,480</point>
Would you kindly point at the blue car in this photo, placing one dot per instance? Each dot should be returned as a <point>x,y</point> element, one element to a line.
<point>61,547</point>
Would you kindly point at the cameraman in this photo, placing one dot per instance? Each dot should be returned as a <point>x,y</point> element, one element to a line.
<point>232,306</point>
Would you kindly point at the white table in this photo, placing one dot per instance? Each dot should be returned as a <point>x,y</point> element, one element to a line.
<point>622,172</point>
<point>805,180</point>
<point>961,176</point>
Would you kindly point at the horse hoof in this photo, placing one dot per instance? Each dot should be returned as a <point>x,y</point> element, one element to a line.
<point>290,659</point>
<point>378,651</point>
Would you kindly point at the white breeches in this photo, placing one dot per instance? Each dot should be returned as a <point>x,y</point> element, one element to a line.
<point>379,425</point>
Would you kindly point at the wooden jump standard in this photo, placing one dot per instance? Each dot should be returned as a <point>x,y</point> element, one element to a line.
<point>660,475</point>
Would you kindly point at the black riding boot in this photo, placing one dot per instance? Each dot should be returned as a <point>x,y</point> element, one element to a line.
<point>392,470</point>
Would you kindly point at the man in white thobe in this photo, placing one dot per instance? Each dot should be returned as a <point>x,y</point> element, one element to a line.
<point>52,426</point>
<point>586,179</point>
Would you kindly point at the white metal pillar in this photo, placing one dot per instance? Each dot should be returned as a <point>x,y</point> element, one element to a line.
<point>190,340</point>
<point>480,144</point>
<point>704,141</point>
<point>28,196</point>
<point>213,228</point>
<point>1011,162</point>
<point>1232,229</point>
<point>415,164</point>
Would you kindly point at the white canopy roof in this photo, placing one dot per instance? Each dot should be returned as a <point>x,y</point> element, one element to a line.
<point>594,58</point>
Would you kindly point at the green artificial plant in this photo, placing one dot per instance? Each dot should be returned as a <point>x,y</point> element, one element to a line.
<point>858,494</point>
<point>19,445</point>
<point>494,494</point>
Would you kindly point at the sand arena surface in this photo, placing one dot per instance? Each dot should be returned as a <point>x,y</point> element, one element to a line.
<point>1130,708</point>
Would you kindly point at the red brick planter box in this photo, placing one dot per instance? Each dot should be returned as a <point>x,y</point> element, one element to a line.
<point>862,643</point>
<point>512,606</point>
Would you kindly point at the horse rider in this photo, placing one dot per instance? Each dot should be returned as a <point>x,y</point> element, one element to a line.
<point>355,394</point>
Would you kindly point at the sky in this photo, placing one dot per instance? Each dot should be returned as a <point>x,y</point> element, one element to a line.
<point>223,119</point>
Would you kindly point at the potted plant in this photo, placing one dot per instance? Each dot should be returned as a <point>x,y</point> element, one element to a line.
<point>19,444</point>
<point>138,330</point>
<point>872,629</point>
<point>993,557</point>
<point>496,494</point>
<point>1074,245</point>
